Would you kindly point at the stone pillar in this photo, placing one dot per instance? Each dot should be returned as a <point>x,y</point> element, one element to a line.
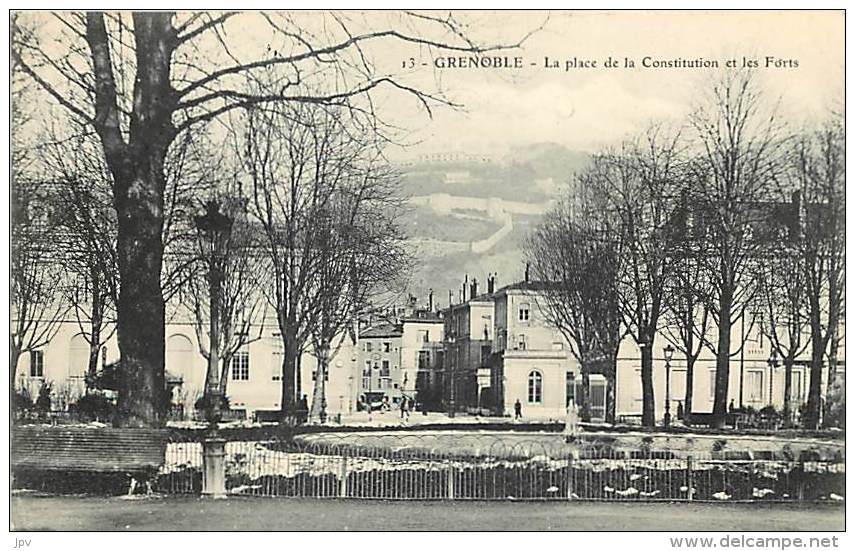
<point>214,468</point>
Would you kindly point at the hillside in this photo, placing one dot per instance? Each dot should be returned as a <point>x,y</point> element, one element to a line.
<point>471,214</point>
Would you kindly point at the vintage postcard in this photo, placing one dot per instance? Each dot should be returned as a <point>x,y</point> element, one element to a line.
<point>414,270</point>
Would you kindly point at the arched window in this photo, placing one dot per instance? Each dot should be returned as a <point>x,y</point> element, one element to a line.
<point>78,357</point>
<point>535,387</point>
<point>179,357</point>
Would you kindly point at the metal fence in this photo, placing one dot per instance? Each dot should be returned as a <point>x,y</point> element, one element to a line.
<point>491,468</point>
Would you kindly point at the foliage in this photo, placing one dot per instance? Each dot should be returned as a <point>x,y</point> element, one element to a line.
<point>94,406</point>
<point>836,404</point>
<point>43,401</point>
<point>22,402</point>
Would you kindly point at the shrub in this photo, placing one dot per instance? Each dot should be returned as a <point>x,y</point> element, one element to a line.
<point>203,403</point>
<point>835,415</point>
<point>43,401</point>
<point>94,407</point>
<point>22,402</point>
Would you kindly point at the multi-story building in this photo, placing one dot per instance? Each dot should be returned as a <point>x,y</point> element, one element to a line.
<point>380,361</point>
<point>468,349</point>
<point>422,357</point>
<point>254,376</point>
<point>532,362</point>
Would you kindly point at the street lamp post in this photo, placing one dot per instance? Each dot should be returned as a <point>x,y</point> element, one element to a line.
<point>214,232</point>
<point>669,353</point>
<point>773,364</point>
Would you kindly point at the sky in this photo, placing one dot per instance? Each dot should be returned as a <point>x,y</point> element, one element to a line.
<point>581,108</point>
<point>586,108</point>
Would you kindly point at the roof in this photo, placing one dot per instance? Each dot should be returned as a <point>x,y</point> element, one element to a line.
<point>91,449</point>
<point>525,286</point>
<point>424,316</point>
<point>382,330</point>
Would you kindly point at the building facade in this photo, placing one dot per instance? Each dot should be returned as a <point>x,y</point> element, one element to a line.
<point>254,376</point>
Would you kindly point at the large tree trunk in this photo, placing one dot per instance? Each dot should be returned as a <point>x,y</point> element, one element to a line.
<point>814,402</point>
<point>138,189</point>
<point>833,347</point>
<point>289,371</point>
<point>611,387</point>
<point>788,388</point>
<point>648,400</point>
<point>141,320</point>
<point>14,357</point>
<point>722,364</point>
<point>690,388</point>
<point>585,398</point>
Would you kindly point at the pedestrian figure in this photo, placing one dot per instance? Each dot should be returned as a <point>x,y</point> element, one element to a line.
<point>731,407</point>
<point>403,406</point>
<point>517,410</point>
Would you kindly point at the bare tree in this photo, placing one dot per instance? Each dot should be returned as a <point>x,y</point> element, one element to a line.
<point>241,304</point>
<point>86,226</point>
<point>360,255</point>
<point>784,305</point>
<point>36,284</point>
<point>36,278</point>
<point>740,159</point>
<point>820,174</point>
<point>143,79</point>
<point>638,184</point>
<point>687,315</point>
<point>577,262</point>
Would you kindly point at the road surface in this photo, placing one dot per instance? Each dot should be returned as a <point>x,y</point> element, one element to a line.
<point>69,513</point>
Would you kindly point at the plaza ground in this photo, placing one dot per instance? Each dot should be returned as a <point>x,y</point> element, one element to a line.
<point>71,513</point>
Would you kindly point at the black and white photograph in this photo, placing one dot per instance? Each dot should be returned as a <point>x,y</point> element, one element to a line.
<point>428,270</point>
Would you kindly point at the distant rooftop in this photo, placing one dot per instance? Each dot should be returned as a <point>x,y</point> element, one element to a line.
<point>382,330</point>
<point>423,316</point>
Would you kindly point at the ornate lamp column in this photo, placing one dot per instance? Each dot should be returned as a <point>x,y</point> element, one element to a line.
<point>773,364</point>
<point>669,353</point>
<point>214,229</point>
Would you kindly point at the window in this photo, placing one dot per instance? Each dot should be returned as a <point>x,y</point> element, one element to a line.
<point>423,336</point>
<point>797,392</point>
<point>486,352</point>
<point>368,346</point>
<point>240,366</point>
<point>557,345</point>
<point>384,371</point>
<point>570,387</point>
<point>424,359</point>
<point>276,361</point>
<point>440,359</point>
<point>525,311</point>
<point>386,347</point>
<point>366,383</point>
<point>315,375</point>
<point>535,387</point>
<point>37,363</point>
<point>754,386</point>
<point>521,342</point>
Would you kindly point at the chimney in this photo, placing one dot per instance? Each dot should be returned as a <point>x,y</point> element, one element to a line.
<point>527,270</point>
<point>465,285</point>
<point>491,284</point>
<point>450,298</point>
<point>474,288</point>
<point>430,300</point>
